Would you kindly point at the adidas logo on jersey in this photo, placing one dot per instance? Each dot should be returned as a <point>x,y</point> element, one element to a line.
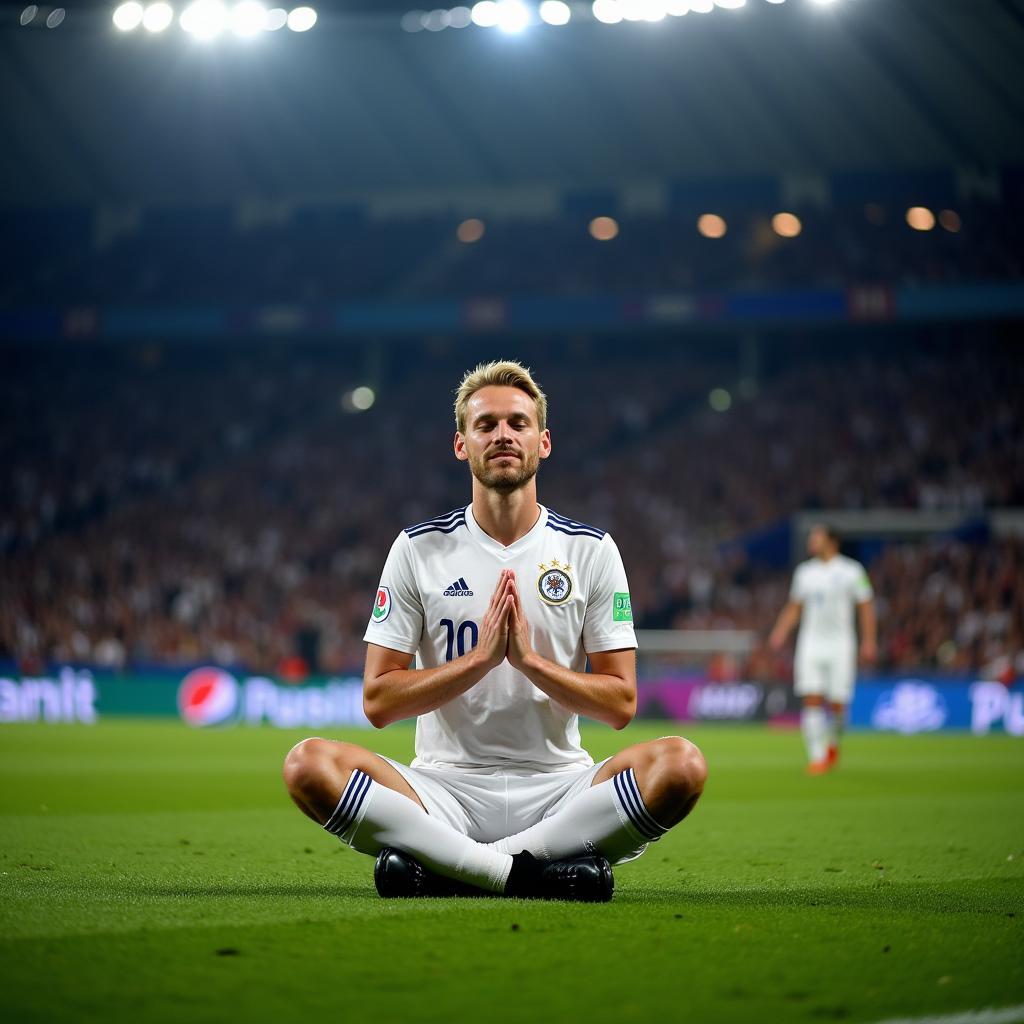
<point>460,588</point>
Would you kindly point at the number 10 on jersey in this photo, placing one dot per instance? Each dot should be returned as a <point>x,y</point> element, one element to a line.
<point>456,637</point>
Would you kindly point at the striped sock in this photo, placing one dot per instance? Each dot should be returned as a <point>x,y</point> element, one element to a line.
<point>346,814</point>
<point>609,818</point>
<point>632,803</point>
<point>370,817</point>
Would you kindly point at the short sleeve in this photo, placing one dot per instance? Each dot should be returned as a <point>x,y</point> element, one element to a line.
<point>396,619</point>
<point>796,590</point>
<point>861,588</point>
<point>608,623</point>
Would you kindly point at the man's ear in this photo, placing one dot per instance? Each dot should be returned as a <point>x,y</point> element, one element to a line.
<point>459,445</point>
<point>545,444</point>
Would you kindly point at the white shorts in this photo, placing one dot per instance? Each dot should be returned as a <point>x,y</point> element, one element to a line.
<point>488,806</point>
<point>830,674</point>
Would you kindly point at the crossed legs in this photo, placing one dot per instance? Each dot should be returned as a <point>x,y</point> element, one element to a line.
<point>635,797</point>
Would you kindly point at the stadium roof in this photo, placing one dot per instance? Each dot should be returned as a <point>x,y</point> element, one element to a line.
<point>357,104</point>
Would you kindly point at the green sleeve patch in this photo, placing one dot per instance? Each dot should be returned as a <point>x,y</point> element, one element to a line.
<point>621,608</point>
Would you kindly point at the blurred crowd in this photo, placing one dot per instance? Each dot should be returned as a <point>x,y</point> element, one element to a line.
<point>329,254</point>
<point>227,505</point>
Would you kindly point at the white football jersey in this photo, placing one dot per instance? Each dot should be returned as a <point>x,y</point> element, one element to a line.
<point>433,594</point>
<point>829,591</point>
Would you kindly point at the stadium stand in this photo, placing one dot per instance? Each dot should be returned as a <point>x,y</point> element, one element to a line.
<point>180,505</point>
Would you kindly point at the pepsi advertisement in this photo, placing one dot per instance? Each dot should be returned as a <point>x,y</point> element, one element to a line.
<point>215,697</point>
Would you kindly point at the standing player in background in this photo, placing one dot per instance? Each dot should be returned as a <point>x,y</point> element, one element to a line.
<point>826,589</point>
<point>502,603</point>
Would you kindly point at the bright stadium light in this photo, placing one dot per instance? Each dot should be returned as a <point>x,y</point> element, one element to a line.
<point>513,16</point>
<point>470,231</point>
<point>276,19</point>
<point>554,12</point>
<point>702,6</point>
<point>204,19</point>
<point>247,18</point>
<point>607,11</point>
<point>677,8</point>
<point>485,14</point>
<point>363,398</point>
<point>653,10</point>
<point>603,229</point>
<point>642,10</point>
<point>710,225</point>
<point>920,218</point>
<point>157,17</point>
<point>786,225</point>
<point>128,17</point>
<point>301,19</point>
<point>437,20</point>
<point>731,5</point>
<point>460,17</point>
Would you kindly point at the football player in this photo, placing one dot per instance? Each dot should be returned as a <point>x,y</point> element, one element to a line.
<point>482,629</point>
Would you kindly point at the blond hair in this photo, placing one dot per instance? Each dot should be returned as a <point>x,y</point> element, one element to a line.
<point>500,373</point>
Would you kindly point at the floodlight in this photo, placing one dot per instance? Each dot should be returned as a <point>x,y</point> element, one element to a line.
<point>363,398</point>
<point>603,229</point>
<point>710,225</point>
<point>247,18</point>
<point>470,231</point>
<point>301,19</point>
<point>157,17</point>
<point>437,20</point>
<point>554,12</point>
<point>607,11</point>
<point>513,16</point>
<point>204,19</point>
<point>485,14</point>
<point>276,19</point>
<point>920,218</point>
<point>786,225</point>
<point>128,16</point>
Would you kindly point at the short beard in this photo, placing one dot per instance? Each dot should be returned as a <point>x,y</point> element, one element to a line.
<point>505,481</point>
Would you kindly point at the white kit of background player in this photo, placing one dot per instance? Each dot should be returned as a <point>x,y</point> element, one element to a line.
<point>483,626</point>
<point>829,590</point>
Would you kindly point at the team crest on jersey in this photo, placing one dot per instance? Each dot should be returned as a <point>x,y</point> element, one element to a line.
<point>382,606</point>
<point>554,583</point>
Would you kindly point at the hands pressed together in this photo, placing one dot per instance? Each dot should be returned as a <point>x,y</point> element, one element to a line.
<point>504,633</point>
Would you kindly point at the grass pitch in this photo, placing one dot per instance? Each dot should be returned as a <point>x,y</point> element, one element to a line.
<point>153,873</point>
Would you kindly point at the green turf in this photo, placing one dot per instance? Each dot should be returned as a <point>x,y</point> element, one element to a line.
<point>150,872</point>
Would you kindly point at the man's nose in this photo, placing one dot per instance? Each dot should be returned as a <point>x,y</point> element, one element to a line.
<point>504,432</point>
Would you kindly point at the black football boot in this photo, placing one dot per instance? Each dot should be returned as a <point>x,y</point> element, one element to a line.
<point>586,879</point>
<point>397,875</point>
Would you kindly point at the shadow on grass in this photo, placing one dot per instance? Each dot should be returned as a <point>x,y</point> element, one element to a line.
<point>257,890</point>
<point>1004,897</point>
